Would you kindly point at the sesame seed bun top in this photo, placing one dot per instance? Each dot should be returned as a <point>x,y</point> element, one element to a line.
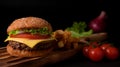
<point>27,23</point>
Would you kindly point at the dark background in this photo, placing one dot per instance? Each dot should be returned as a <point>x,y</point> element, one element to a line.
<point>61,14</point>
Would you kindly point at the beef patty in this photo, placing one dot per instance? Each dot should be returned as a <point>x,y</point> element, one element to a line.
<point>39,46</point>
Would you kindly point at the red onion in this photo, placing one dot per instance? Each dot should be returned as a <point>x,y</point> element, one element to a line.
<point>98,24</point>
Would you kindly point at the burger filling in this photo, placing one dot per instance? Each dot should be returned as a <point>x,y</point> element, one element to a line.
<point>39,46</point>
<point>41,31</point>
<point>30,39</point>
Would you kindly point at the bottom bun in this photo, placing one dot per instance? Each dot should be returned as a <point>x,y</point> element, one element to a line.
<point>23,53</point>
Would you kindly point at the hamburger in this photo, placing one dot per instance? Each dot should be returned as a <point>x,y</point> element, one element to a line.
<point>30,37</point>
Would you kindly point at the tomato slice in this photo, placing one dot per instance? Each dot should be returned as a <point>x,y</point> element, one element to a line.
<point>30,36</point>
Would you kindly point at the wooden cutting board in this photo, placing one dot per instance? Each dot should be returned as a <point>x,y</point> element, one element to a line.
<point>56,56</point>
<point>9,61</point>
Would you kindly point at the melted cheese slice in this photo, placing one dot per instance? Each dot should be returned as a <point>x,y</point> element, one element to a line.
<point>29,42</point>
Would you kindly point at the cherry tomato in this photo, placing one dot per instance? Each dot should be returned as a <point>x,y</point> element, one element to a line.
<point>86,50</point>
<point>96,54</point>
<point>105,45</point>
<point>30,36</point>
<point>112,53</point>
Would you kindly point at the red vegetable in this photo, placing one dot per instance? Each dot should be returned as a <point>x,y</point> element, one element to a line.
<point>30,36</point>
<point>86,50</point>
<point>96,54</point>
<point>98,24</point>
<point>112,53</point>
<point>88,47</point>
<point>105,45</point>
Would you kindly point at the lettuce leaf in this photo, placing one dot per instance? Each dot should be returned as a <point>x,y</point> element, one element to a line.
<point>77,35</point>
<point>78,29</point>
<point>32,31</point>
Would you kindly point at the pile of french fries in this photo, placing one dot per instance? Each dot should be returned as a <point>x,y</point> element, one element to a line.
<point>64,40</point>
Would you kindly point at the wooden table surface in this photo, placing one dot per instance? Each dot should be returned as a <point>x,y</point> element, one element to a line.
<point>7,60</point>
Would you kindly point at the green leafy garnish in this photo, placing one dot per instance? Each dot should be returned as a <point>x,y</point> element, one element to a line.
<point>14,32</point>
<point>78,29</point>
<point>32,31</point>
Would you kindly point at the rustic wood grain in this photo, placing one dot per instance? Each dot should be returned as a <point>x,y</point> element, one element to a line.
<point>9,61</point>
<point>56,56</point>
